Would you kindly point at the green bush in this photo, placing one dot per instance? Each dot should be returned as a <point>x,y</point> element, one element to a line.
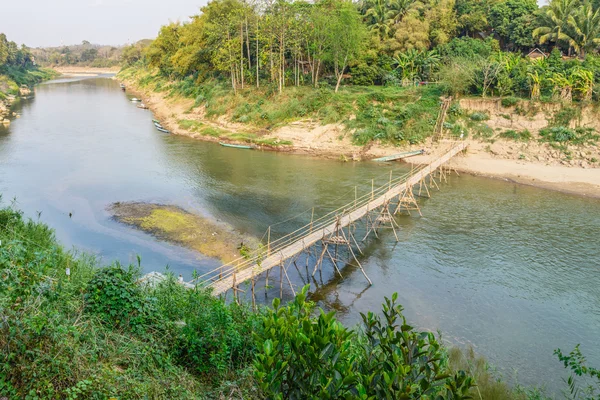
<point>479,116</point>
<point>523,135</point>
<point>207,336</point>
<point>306,357</point>
<point>558,134</point>
<point>509,101</point>
<point>114,297</point>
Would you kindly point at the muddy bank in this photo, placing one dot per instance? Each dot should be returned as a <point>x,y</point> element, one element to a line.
<point>175,225</point>
<point>532,163</point>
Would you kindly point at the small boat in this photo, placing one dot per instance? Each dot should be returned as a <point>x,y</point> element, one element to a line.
<point>135,100</point>
<point>158,125</point>
<point>156,121</point>
<point>122,86</point>
<point>162,130</point>
<point>236,146</point>
<point>399,156</point>
<point>142,106</point>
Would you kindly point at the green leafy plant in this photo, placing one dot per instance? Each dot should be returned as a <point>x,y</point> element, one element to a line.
<point>576,362</point>
<point>306,357</point>
<point>113,295</point>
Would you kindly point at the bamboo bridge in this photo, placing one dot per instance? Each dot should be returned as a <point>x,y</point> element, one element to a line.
<point>376,209</point>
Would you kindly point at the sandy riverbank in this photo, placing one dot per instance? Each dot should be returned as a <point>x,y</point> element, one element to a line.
<point>530,164</point>
<point>85,71</point>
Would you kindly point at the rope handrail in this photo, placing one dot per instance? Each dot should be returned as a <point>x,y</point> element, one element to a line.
<point>275,246</point>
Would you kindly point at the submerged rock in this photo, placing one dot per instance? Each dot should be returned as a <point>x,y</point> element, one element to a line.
<point>175,225</point>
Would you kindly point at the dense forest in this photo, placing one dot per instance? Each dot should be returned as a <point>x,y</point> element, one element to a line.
<point>480,47</point>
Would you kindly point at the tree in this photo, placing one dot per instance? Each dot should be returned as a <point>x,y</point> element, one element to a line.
<point>377,17</point>
<point>165,45</point>
<point>3,49</point>
<point>584,25</point>
<point>412,33</point>
<point>346,37</point>
<point>553,22</point>
<point>131,54</point>
<point>472,16</point>
<point>509,18</point>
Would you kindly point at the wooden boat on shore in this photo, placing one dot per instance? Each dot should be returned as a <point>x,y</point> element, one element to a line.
<point>399,156</point>
<point>163,129</point>
<point>236,146</point>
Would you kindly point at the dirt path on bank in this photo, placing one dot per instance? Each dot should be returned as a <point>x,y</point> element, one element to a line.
<point>531,163</point>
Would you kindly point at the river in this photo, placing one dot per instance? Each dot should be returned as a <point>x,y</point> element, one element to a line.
<point>512,270</point>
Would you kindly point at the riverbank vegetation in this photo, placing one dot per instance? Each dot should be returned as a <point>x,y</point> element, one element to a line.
<point>378,67</point>
<point>70,329</point>
<point>17,68</point>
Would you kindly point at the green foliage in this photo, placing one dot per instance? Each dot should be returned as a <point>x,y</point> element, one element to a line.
<point>469,48</point>
<point>523,135</point>
<point>479,116</point>
<point>509,101</point>
<point>576,362</point>
<point>113,296</point>
<point>308,357</point>
<point>561,134</point>
<point>60,340</point>
<point>303,357</point>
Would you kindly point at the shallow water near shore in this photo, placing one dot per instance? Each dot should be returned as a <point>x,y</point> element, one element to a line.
<point>512,270</point>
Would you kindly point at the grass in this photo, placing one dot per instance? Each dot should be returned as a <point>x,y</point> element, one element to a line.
<point>389,114</point>
<point>489,385</point>
<point>522,136</point>
<point>203,129</point>
<point>176,225</point>
<point>175,343</point>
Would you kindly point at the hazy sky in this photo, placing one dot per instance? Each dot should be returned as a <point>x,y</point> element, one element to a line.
<point>50,22</point>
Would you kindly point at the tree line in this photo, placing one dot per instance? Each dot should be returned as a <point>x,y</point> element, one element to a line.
<point>11,55</point>
<point>86,53</point>
<point>476,46</point>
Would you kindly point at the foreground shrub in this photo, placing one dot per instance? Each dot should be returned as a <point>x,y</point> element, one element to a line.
<point>305,357</point>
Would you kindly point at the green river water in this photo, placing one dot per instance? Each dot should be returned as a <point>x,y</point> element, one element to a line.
<point>512,270</point>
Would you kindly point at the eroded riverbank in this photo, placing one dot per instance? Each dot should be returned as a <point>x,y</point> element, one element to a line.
<point>534,164</point>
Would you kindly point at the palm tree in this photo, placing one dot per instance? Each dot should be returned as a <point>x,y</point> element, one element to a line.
<point>397,9</point>
<point>376,12</point>
<point>585,27</point>
<point>554,24</point>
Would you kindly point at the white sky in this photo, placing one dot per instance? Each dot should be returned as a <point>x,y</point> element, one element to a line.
<point>54,22</point>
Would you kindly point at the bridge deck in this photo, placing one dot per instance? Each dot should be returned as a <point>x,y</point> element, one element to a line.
<point>247,272</point>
